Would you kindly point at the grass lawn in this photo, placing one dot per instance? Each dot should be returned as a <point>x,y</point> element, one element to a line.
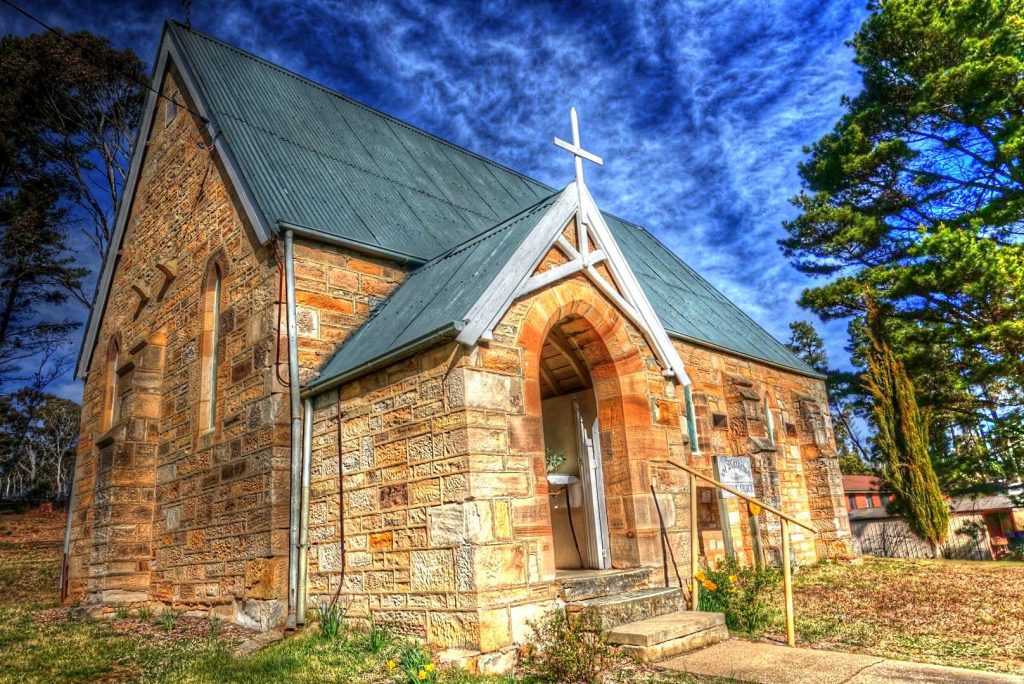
<point>40,642</point>
<point>959,613</point>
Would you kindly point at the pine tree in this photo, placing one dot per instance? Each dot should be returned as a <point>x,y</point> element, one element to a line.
<point>901,437</point>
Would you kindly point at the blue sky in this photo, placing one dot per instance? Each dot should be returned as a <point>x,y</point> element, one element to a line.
<point>700,109</point>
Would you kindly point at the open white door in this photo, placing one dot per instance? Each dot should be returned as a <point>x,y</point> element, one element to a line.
<point>592,478</point>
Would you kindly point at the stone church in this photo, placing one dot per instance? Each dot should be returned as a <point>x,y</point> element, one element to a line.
<point>334,356</point>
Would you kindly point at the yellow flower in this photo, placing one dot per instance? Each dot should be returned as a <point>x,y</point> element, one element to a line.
<point>732,579</point>
<point>429,667</point>
<point>709,585</point>
<point>392,665</point>
<point>422,675</point>
<point>699,576</point>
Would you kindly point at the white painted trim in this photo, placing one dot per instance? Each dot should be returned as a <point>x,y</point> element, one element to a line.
<point>499,295</point>
<point>517,279</point>
<point>169,50</point>
<point>567,247</point>
<point>632,289</point>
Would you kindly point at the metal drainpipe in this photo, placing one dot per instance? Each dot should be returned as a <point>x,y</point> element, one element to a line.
<point>293,387</point>
<point>307,457</point>
<point>65,565</point>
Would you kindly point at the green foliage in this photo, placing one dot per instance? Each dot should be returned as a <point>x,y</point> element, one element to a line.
<point>145,614</point>
<point>1017,549</point>
<point>569,651</point>
<point>380,639</point>
<point>805,342</point>
<point>745,594</point>
<point>902,439</point>
<point>329,617</point>
<point>68,113</point>
<point>851,464</point>
<point>918,195</point>
<point>416,666</point>
<point>167,619</point>
<point>553,459</point>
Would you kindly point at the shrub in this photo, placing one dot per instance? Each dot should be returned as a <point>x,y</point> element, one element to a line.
<point>744,594</point>
<point>144,614</point>
<point>569,651</point>
<point>329,616</point>
<point>1017,549</point>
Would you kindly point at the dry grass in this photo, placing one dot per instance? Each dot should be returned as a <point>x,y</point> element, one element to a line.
<point>960,613</point>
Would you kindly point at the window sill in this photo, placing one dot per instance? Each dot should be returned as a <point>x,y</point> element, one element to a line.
<point>113,432</point>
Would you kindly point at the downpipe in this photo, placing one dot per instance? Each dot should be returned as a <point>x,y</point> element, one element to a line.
<point>296,426</point>
<point>65,563</point>
<point>307,453</point>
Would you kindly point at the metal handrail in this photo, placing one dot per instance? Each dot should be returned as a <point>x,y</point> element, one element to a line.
<point>787,572</point>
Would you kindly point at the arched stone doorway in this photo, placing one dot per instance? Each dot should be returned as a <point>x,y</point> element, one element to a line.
<point>588,376</point>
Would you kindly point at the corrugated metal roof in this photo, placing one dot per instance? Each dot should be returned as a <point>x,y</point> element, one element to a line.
<point>320,160</point>
<point>434,298</point>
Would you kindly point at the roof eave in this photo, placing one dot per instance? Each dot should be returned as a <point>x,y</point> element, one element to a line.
<point>442,334</point>
<point>354,245</point>
<point>749,357</point>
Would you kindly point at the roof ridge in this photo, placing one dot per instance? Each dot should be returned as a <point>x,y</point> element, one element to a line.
<point>370,108</point>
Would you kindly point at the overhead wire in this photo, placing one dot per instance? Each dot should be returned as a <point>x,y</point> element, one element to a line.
<point>97,59</point>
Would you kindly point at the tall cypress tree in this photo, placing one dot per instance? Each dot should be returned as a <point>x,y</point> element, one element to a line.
<point>901,437</point>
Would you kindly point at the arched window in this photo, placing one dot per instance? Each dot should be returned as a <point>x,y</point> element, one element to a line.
<point>111,405</point>
<point>769,421</point>
<point>691,420</point>
<point>211,347</point>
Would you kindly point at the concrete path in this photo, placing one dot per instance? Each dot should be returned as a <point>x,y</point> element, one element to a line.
<point>749,661</point>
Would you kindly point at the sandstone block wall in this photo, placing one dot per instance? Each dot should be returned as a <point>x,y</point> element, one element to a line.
<point>446,518</point>
<point>164,509</point>
<point>796,470</point>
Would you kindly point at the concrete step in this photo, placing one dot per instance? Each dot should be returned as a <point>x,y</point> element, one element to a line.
<point>668,635</point>
<point>605,612</point>
<point>578,585</point>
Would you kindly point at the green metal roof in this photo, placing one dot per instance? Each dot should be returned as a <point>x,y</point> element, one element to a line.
<point>317,159</point>
<point>434,299</point>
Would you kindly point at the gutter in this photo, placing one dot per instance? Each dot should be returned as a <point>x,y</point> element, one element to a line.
<point>447,332</point>
<point>732,352</point>
<point>354,245</point>
<point>294,413</point>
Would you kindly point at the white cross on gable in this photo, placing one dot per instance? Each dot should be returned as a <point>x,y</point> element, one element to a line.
<point>574,147</point>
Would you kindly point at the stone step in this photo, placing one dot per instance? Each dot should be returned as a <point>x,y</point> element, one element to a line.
<point>578,585</point>
<point>605,612</point>
<point>668,635</point>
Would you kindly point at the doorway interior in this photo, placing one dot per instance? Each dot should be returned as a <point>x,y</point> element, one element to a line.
<point>572,443</point>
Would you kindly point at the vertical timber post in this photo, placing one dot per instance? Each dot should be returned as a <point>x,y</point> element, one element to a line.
<point>694,545</point>
<point>787,581</point>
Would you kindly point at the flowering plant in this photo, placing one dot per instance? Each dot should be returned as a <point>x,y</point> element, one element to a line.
<point>415,666</point>
<point>743,593</point>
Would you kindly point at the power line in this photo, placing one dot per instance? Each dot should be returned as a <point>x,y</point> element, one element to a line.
<point>97,59</point>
